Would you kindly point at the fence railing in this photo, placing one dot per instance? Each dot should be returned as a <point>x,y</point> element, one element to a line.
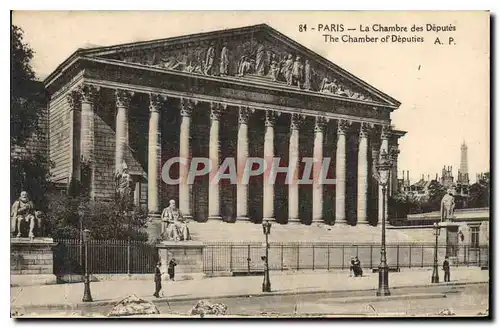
<point>123,257</point>
<point>105,256</point>
<point>246,257</point>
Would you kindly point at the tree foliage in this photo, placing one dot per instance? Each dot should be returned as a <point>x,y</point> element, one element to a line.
<point>25,96</point>
<point>104,219</point>
<point>29,170</point>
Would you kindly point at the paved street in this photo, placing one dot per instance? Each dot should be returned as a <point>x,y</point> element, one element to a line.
<point>466,300</point>
<point>286,288</point>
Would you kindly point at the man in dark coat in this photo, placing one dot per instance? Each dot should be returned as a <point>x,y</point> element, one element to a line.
<point>157,280</point>
<point>446,269</point>
<point>171,268</point>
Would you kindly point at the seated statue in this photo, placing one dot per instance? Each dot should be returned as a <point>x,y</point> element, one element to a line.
<point>173,225</point>
<point>447,206</point>
<point>23,210</point>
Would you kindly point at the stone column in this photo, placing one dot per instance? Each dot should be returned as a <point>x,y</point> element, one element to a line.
<point>293,160</point>
<point>242,156</point>
<point>268,191</point>
<point>87,132</point>
<point>214,149</point>
<point>394,172</point>
<point>340,175</point>
<point>137,193</point>
<point>185,189</point>
<point>74,100</point>
<point>123,99</point>
<point>363,174</point>
<point>317,215</point>
<point>154,154</point>
<point>384,145</point>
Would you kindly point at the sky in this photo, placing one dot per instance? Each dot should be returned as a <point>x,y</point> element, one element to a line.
<point>443,89</point>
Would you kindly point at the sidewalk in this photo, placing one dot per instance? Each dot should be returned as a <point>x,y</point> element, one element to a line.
<point>108,292</point>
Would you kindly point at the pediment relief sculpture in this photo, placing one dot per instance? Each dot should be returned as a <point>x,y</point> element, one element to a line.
<point>251,58</point>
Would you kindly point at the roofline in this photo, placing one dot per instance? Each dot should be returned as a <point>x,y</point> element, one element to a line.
<point>241,30</point>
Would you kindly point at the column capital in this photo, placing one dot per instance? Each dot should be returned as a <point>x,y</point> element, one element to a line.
<point>320,123</point>
<point>394,152</point>
<point>296,121</point>
<point>74,98</point>
<point>215,110</point>
<point>88,93</point>
<point>244,114</point>
<point>386,132</point>
<point>364,130</point>
<point>123,98</point>
<point>343,126</point>
<point>271,117</point>
<point>187,106</point>
<point>156,101</point>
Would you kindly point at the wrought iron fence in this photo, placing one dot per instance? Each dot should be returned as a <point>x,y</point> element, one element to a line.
<point>122,257</point>
<point>105,256</point>
<point>246,257</point>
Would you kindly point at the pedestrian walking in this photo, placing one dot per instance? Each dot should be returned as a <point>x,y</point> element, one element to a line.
<point>351,268</point>
<point>158,275</point>
<point>357,267</point>
<point>171,269</point>
<point>446,269</point>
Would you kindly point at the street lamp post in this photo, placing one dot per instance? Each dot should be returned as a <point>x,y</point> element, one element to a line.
<point>266,284</point>
<point>381,173</point>
<point>435,271</point>
<point>81,213</point>
<point>87,296</point>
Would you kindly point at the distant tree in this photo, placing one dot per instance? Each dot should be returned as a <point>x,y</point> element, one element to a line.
<point>479,195</point>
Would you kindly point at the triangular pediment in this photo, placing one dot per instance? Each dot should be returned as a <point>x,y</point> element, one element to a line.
<point>256,53</point>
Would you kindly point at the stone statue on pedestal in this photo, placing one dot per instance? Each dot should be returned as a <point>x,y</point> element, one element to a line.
<point>173,224</point>
<point>447,206</point>
<point>23,210</point>
<point>124,188</point>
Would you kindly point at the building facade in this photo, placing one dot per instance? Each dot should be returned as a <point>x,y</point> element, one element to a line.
<point>246,92</point>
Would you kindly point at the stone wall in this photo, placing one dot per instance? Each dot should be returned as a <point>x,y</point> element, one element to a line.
<point>60,138</point>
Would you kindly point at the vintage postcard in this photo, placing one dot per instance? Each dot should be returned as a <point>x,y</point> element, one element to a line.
<point>250,164</point>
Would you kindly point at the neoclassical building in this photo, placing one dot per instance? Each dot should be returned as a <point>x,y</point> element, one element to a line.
<point>244,92</point>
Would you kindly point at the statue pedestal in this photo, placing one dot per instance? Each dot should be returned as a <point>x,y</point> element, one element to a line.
<point>449,237</point>
<point>187,254</point>
<point>31,261</point>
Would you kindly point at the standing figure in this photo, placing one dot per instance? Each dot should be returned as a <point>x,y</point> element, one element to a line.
<point>171,269</point>
<point>260,64</point>
<point>209,61</point>
<point>158,275</point>
<point>446,269</point>
<point>287,70</point>
<point>357,267</point>
<point>351,268</point>
<point>298,71</point>
<point>307,75</point>
<point>245,66</point>
<point>124,188</point>
<point>224,61</point>
<point>447,206</point>
<point>22,211</point>
<point>274,68</point>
